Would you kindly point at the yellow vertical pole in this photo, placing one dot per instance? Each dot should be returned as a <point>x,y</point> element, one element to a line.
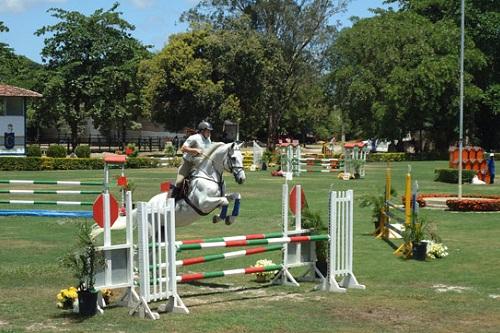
<point>388,186</point>
<point>408,197</point>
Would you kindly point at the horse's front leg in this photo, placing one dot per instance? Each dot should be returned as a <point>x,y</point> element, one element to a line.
<point>222,202</point>
<point>236,209</point>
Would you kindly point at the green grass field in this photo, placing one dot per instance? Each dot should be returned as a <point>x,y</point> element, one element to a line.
<point>460,293</point>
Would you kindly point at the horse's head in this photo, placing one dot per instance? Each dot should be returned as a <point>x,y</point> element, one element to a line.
<point>234,162</point>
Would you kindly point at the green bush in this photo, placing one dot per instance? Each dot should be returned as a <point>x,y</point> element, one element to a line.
<point>56,151</point>
<point>387,157</point>
<point>170,151</point>
<point>20,164</point>
<point>48,163</point>
<point>451,175</point>
<point>33,151</point>
<point>82,151</point>
<point>141,162</point>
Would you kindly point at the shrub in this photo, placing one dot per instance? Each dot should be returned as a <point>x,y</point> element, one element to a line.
<point>385,157</point>
<point>134,152</point>
<point>170,151</point>
<point>20,164</point>
<point>473,205</point>
<point>82,151</point>
<point>141,162</point>
<point>48,163</point>
<point>451,175</point>
<point>56,151</point>
<point>33,151</point>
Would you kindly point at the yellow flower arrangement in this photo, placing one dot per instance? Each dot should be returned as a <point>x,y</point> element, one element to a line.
<point>264,276</point>
<point>66,297</point>
<point>106,295</point>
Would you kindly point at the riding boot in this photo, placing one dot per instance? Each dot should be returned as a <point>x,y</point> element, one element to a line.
<point>175,192</point>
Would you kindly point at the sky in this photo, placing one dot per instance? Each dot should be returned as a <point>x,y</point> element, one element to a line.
<point>154,20</point>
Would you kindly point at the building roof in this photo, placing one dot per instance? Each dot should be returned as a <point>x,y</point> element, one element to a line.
<point>11,91</point>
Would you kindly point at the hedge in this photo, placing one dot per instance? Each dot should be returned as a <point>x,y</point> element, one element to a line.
<point>387,157</point>
<point>48,163</point>
<point>451,175</point>
<point>395,157</point>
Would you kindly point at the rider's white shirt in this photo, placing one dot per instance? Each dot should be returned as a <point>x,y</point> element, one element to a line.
<point>196,141</point>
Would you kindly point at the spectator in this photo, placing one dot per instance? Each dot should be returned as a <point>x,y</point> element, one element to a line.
<point>491,167</point>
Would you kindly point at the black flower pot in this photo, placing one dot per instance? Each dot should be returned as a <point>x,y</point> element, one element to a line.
<point>419,251</point>
<point>87,302</point>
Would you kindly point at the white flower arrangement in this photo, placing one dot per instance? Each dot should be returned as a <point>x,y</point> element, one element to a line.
<point>436,250</point>
<point>264,276</point>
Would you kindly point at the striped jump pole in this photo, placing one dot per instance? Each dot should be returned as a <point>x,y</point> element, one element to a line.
<point>50,182</point>
<point>240,271</point>
<point>227,255</point>
<point>42,202</point>
<point>56,192</point>
<point>281,240</point>
<point>239,238</point>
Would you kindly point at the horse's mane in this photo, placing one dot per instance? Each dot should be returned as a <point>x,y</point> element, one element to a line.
<point>213,148</point>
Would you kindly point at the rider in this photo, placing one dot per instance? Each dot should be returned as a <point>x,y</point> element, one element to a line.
<point>192,148</point>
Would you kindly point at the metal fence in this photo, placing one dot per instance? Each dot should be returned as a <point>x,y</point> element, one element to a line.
<point>103,144</point>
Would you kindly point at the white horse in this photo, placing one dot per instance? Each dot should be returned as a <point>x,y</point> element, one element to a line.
<point>206,190</point>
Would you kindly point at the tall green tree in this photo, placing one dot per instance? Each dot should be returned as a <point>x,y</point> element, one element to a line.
<point>482,19</point>
<point>397,72</point>
<point>92,61</point>
<point>293,32</point>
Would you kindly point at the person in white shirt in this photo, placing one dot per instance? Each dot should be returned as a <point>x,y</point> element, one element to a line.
<point>192,148</point>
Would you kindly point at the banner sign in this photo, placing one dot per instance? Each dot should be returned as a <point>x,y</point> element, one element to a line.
<point>12,141</point>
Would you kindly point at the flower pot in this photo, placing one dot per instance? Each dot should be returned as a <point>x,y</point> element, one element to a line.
<point>419,251</point>
<point>261,278</point>
<point>87,302</point>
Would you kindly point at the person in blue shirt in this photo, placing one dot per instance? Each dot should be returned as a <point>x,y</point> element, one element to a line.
<point>491,167</point>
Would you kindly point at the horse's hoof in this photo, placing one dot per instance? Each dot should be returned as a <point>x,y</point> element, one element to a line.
<point>230,219</point>
<point>216,219</point>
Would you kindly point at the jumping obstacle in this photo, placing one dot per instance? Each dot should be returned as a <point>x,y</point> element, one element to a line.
<point>355,158</point>
<point>311,164</point>
<point>47,213</point>
<point>391,225</point>
<point>108,160</point>
<point>294,162</point>
<point>157,250</point>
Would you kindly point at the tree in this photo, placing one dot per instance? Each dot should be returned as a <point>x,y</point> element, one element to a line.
<point>482,19</point>
<point>86,54</point>
<point>397,72</point>
<point>294,32</point>
<point>180,85</point>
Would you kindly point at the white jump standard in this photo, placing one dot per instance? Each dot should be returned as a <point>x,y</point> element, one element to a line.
<point>157,249</point>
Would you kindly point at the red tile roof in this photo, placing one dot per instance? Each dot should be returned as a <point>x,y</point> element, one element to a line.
<point>11,91</point>
<point>359,144</point>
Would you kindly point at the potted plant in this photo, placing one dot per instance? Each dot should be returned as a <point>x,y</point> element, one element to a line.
<point>267,157</point>
<point>312,220</point>
<point>356,165</point>
<point>377,203</point>
<point>415,234</point>
<point>84,260</point>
